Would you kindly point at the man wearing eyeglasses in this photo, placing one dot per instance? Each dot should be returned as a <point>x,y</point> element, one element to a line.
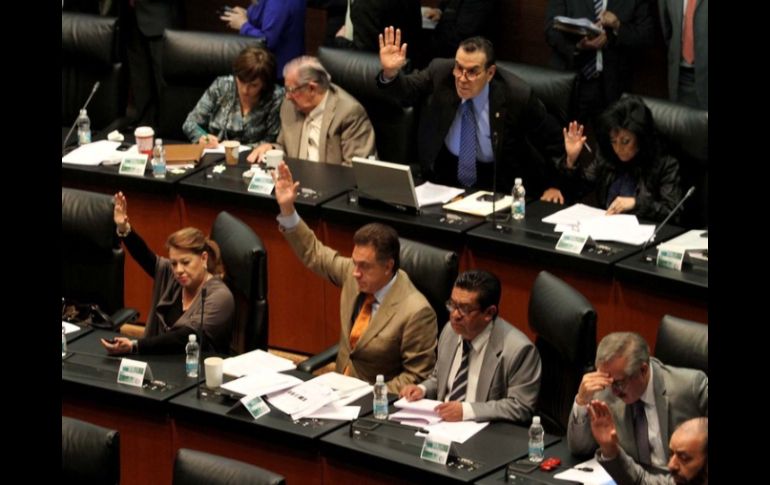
<point>474,117</point>
<point>321,122</point>
<point>648,399</point>
<point>486,369</point>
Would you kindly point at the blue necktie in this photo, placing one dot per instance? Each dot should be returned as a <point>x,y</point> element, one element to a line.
<point>466,160</point>
<point>590,67</point>
<point>460,384</point>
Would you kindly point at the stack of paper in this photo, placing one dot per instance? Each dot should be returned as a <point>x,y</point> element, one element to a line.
<point>348,388</point>
<point>261,383</point>
<point>302,400</point>
<point>479,204</point>
<point>583,219</point>
<point>255,361</point>
<point>581,26</point>
<point>418,413</point>
<point>429,193</point>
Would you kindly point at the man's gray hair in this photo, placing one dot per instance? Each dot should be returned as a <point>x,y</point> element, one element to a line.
<point>623,344</point>
<point>308,69</point>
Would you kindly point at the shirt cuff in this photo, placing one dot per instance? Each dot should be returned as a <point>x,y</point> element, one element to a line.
<point>468,414</point>
<point>385,80</point>
<point>288,222</point>
<point>134,346</point>
<point>579,413</point>
<point>424,389</point>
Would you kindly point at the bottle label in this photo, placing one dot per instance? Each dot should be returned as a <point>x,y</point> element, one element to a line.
<point>84,136</point>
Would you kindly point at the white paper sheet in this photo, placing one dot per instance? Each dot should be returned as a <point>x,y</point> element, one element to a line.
<point>93,153</point>
<point>690,240</point>
<point>598,476</point>
<point>255,361</point>
<point>302,400</point>
<point>472,204</point>
<point>429,193</point>
<point>415,418</point>
<point>334,411</point>
<point>459,431</point>
<point>427,405</point>
<point>572,214</point>
<point>70,327</point>
<point>261,383</point>
<point>348,388</point>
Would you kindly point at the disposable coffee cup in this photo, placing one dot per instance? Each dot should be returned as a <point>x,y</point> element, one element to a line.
<point>231,151</point>
<point>213,366</point>
<point>143,135</point>
<point>273,158</point>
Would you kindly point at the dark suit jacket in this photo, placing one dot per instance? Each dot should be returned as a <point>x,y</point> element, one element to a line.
<point>671,15</point>
<point>460,19</point>
<point>154,16</point>
<point>527,142</point>
<point>636,31</point>
<point>370,17</point>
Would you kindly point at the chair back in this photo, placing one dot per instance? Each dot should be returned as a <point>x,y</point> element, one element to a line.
<point>91,256</point>
<point>90,454</point>
<point>683,343</point>
<point>195,467</point>
<point>191,62</point>
<point>565,324</point>
<point>90,54</point>
<point>395,126</point>
<point>433,271</point>
<point>553,87</point>
<point>245,262</point>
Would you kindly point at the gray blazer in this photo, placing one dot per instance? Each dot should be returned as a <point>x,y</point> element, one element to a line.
<point>680,394</point>
<point>509,380</point>
<point>671,15</point>
<point>625,471</point>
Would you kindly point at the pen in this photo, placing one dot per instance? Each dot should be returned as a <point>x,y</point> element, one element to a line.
<point>584,468</point>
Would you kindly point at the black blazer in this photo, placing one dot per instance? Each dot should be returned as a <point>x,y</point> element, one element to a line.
<point>526,140</point>
<point>370,17</point>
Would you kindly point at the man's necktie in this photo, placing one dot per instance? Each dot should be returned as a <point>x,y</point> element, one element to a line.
<point>641,433</point>
<point>591,67</point>
<point>362,320</point>
<point>688,35</point>
<point>460,384</point>
<point>466,160</point>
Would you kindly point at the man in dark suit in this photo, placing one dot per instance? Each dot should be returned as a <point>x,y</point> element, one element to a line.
<point>627,26</point>
<point>688,78</point>
<point>648,399</point>
<point>369,17</point>
<point>486,368</point>
<point>467,99</point>
<point>457,21</point>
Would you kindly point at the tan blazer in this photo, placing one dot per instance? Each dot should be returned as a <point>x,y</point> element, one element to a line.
<point>346,131</point>
<point>400,341</point>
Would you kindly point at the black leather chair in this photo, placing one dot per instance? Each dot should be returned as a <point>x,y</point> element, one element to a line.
<point>195,467</point>
<point>191,62</point>
<point>683,343</point>
<point>685,132</point>
<point>245,261</point>
<point>553,87</point>
<point>565,324</point>
<point>395,126</point>
<point>432,270</point>
<point>90,454</point>
<point>90,54</point>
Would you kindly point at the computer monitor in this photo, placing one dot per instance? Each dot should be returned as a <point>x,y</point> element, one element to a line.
<point>386,182</point>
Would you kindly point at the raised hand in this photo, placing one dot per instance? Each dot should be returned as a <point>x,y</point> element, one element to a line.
<point>120,212</point>
<point>285,188</point>
<point>573,142</point>
<point>603,428</point>
<point>392,52</point>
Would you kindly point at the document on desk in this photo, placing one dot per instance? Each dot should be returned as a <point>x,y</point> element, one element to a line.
<point>597,476</point>
<point>70,327</point>
<point>459,431</point>
<point>623,228</point>
<point>689,241</point>
<point>348,388</point>
<point>429,193</point>
<point>478,204</point>
<point>93,153</point>
<point>255,361</point>
<point>302,400</point>
<point>416,413</point>
<point>335,411</point>
<point>261,383</point>
<point>572,214</point>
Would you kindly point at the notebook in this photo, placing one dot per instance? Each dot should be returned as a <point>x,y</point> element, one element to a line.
<point>183,154</point>
<point>387,182</point>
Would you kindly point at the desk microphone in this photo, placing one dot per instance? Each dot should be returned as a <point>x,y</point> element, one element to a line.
<point>495,221</point>
<point>671,213</point>
<point>69,133</point>
<point>200,339</point>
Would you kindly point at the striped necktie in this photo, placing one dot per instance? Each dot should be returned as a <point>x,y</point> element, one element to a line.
<point>641,433</point>
<point>593,66</point>
<point>466,160</point>
<point>460,384</point>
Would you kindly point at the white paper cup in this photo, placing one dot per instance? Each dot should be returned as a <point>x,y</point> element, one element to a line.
<point>231,151</point>
<point>213,366</point>
<point>273,158</point>
<point>143,135</point>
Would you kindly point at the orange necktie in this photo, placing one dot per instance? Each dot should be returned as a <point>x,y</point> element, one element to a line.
<point>688,37</point>
<point>359,326</point>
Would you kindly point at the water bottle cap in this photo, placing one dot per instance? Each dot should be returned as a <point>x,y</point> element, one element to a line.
<point>158,141</point>
<point>536,420</point>
<point>380,378</point>
<point>517,181</point>
<point>192,337</point>
<point>83,112</point>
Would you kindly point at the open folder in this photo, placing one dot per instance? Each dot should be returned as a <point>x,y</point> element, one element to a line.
<point>183,154</point>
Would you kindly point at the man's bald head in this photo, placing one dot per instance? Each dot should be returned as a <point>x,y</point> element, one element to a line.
<point>689,452</point>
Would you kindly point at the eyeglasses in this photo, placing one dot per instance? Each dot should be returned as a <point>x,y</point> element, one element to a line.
<point>293,91</point>
<point>463,310</point>
<point>620,385</point>
<point>470,74</point>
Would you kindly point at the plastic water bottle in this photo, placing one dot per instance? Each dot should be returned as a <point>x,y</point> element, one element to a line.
<point>84,128</point>
<point>159,160</point>
<point>63,343</point>
<point>536,441</point>
<point>380,401</point>
<point>517,194</point>
<point>191,360</point>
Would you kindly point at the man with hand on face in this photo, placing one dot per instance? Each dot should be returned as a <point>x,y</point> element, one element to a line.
<point>486,368</point>
<point>387,325</point>
<point>474,117</point>
<point>688,464</point>
<point>647,399</point>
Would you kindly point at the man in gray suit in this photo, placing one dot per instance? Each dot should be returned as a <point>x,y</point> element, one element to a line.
<point>322,123</point>
<point>689,449</point>
<point>647,399</point>
<point>688,68</point>
<point>486,368</point>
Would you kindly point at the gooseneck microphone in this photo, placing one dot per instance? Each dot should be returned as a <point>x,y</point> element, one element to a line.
<point>200,340</point>
<point>671,213</point>
<point>69,133</point>
<point>496,222</point>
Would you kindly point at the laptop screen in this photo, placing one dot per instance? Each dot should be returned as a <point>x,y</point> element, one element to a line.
<point>384,181</point>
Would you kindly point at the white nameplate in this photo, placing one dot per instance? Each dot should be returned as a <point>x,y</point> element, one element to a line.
<point>255,406</point>
<point>669,258</point>
<point>435,449</point>
<point>261,183</point>
<point>133,165</point>
<point>132,372</point>
<point>571,242</point>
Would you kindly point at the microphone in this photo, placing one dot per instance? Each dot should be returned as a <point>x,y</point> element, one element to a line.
<point>200,339</point>
<point>671,213</point>
<point>69,133</point>
<point>494,219</point>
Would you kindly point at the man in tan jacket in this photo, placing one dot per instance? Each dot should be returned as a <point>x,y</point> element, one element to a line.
<point>387,325</point>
